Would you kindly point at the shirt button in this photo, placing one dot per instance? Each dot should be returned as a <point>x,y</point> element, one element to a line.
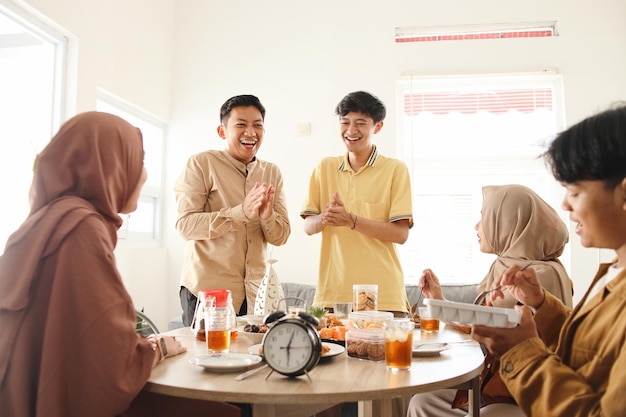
<point>508,368</point>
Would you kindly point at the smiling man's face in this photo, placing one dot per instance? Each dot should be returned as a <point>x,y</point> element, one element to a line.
<point>243,133</point>
<point>357,130</point>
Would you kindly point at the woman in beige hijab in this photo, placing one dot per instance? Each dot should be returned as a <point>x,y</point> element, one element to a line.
<point>68,345</point>
<point>520,229</point>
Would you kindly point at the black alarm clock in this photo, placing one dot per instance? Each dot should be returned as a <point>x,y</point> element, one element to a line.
<point>292,346</point>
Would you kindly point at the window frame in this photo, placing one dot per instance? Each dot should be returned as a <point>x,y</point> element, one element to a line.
<point>150,194</point>
<point>498,169</point>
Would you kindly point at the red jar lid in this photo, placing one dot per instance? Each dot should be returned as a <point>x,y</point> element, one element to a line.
<point>222,297</point>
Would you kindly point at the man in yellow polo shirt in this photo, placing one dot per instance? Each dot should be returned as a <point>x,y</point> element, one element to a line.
<point>361,202</point>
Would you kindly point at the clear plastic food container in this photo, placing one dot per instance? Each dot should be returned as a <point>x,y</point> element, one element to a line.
<point>365,319</point>
<point>364,297</point>
<point>366,344</point>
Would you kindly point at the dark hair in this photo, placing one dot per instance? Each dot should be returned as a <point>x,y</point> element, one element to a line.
<point>362,102</point>
<point>593,149</point>
<point>244,100</point>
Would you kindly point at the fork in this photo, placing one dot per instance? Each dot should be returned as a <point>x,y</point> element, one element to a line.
<point>480,297</point>
<point>414,307</point>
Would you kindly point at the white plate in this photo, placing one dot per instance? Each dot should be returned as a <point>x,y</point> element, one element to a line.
<point>226,362</point>
<point>468,314</point>
<point>335,349</point>
<point>429,349</point>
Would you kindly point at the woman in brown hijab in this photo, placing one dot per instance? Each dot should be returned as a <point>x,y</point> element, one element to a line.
<point>68,345</point>
<point>520,229</point>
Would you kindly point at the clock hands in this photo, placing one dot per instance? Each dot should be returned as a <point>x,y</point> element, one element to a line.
<point>289,345</point>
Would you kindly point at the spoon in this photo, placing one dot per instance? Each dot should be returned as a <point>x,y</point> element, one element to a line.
<point>246,374</point>
<point>480,297</point>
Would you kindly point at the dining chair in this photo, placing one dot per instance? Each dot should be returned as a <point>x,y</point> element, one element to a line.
<point>150,404</point>
<point>145,326</point>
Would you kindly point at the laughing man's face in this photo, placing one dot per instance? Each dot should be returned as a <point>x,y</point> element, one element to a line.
<point>243,133</point>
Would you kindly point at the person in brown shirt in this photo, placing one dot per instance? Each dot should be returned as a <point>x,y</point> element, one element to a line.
<point>68,340</point>
<point>230,206</point>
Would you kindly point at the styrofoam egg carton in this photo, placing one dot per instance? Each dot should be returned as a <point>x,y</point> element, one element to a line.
<point>468,314</point>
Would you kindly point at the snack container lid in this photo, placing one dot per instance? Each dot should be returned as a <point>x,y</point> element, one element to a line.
<point>377,317</point>
<point>365,287</point>
<point>366,335</point>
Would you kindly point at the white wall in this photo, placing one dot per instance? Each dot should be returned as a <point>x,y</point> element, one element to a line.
<point>126,48</point>
<point>300,60</point>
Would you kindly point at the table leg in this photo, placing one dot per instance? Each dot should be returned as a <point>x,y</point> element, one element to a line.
<point>376,408</point>
<point>474,398</point>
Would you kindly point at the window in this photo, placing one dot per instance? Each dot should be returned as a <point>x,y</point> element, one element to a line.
<point>33,63</point>
<point>458,134</point>
<point>144,224</point>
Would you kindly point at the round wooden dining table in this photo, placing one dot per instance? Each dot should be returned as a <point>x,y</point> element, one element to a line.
<point>337,379</point>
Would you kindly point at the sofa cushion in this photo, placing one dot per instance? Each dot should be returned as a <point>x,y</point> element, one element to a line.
<point>464,293</point>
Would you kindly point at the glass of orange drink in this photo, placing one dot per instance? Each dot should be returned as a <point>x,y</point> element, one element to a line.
<point>398,343</point>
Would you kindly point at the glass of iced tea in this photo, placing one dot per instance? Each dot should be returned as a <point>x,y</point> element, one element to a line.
<point>398,343</point>
<point>428,324</point>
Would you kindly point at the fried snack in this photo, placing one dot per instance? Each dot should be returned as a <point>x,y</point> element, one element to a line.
<point>333,320</point>
<point>352,349</point>
<point>325,350</point>
<point>365,300</point>
<point>375,351</point>
<point>327,333</point>
<point>366,350</point>
<point>362,350</point>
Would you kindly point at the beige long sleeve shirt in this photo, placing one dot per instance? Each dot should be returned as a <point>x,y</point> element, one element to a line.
<point>225,249</point>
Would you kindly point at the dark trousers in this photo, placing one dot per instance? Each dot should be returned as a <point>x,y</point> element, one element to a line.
<point>188,303</point>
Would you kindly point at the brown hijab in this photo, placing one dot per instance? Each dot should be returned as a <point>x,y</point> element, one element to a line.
<point>90,167</point>
<point>521,227</point>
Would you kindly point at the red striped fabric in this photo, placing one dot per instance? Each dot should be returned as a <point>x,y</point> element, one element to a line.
<point>498,101</point>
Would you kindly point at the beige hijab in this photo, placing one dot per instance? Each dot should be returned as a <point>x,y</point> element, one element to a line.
<point>521,227</point>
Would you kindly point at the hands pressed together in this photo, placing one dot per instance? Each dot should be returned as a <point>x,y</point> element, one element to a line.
<point>335,213</point>
<point>259,202</point>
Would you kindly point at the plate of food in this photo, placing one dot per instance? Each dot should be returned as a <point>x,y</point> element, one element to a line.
<point>328,350</point>
<point>429,349</point>
<point>226,362</point>
<point>335,334</point>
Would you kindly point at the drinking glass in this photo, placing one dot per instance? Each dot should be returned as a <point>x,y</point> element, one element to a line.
<point>428,324</point>
<point>342,310</point>
<point>398,343</point>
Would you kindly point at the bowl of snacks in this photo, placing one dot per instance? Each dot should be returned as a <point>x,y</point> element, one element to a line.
<point>254,332</point>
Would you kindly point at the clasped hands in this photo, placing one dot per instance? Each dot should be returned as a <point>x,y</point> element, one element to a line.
<point>259,202</point>
<point>335,213</point>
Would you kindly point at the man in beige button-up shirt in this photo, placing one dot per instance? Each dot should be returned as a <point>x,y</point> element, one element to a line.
<point>230,205</point>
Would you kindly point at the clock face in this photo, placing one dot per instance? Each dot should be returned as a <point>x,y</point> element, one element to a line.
<point>291,347</point>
